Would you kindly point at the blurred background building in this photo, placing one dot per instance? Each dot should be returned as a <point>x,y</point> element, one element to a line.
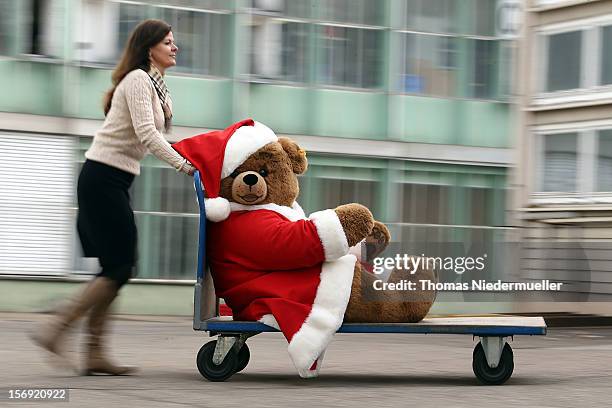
<point>407,106</point>
<point>564,167</point>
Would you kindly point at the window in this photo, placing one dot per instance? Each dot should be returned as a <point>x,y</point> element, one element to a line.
<point>350,56</point>
<point>564,56</point>
<point>368,12</point>
<point>560,162</point>
<point>576,164</point>
<point>279,49</point>
<point>6,10</point>
<point>606,56</point>
<point>104,27</point>
<point>483,14</point>
<point>578,59</point>
<point>604,160</point>
<point>200,37</point>
<point>430,64</point>
<point>481,206</point>
<point>334,192</point>
<point>347,56</point>
<point>425,204</point>
<point>43,30</point>
<point>279,46</point>
<point>129,17</point>
<point>441,43</point>
<point>486,55</point>
<point>430,16</point>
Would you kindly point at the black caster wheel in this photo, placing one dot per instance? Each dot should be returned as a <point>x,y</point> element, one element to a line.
<point>244,355</point>
<point>212,371</point>
<point>493,376</point>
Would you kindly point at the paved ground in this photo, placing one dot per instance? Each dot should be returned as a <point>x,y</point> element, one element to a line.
<point>566,368</point>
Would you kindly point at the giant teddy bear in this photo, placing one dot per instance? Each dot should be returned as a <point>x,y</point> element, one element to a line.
<point>271,263</point>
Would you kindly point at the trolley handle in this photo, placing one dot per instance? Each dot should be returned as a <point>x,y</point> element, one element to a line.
<point>197,182</point>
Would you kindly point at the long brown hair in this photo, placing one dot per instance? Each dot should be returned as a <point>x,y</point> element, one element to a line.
<point>136,53</point>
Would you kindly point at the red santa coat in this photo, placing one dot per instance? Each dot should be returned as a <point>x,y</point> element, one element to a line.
<point>272,264</point>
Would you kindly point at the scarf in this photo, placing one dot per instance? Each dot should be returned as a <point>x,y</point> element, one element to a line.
<point>162,93</point>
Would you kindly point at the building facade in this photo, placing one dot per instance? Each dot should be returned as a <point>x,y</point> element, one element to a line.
<point>403,105</point>
<point>565,150</point>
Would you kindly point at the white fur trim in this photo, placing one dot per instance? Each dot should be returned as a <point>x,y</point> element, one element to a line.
<point>217,209</point>
<point>313,373</point>
<point>327,314</point>
<point>294,213</point>
<point>245,141</point>
<point>331,234</point>
<point>269,320</point>
<point>357,250</point>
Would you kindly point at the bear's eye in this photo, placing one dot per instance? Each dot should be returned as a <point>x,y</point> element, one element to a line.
<point>263,172</point>
<point>234,174</point>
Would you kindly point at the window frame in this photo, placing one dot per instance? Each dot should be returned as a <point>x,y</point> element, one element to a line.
<point>586,178</point>
<point>150,9</point>
<point>590,89</point>
<point>314,50</point>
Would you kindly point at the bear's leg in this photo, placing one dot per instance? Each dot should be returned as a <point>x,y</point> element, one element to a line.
<point>368,305</point>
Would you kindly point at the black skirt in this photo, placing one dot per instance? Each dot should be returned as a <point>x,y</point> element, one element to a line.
<point>105,221</point>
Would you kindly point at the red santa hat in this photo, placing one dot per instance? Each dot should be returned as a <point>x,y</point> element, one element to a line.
<point>217,154</point>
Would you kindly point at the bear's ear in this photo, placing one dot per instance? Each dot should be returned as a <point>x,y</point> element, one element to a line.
<point>297,155</point>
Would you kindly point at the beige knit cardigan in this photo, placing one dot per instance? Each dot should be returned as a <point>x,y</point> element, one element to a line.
<point>133,127</point>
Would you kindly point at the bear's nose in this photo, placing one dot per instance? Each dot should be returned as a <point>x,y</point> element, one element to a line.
<point>250,179</point>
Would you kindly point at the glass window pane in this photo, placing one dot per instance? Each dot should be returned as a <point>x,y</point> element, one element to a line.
<point>350,56</point>
<point>129,17</point>
<point>430,15</point>
<point>369,12</point>
<point>425,204</point>
<point>298,8</point>
<point>429,65</point>
<point>481,206</point>
<point>564,57</point>
<point>279,49</point>
<point>560,162</point>
<point>6,37</point>
<point>483,12</point>
<point>294,51</point>
<point>485,69</point>
<point>200,37</point>
<point>334,192</point>
<point>604,161</point>
<point>606,55</point>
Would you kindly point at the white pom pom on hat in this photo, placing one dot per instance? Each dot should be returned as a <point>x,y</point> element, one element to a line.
<point>217,209</point>
<point>217,154</point>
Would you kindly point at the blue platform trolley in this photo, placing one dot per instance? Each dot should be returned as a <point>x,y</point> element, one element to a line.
<point>218,360</point>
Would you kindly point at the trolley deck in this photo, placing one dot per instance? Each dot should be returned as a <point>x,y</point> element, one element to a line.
<point>493,361</point>
<point>476,326</point>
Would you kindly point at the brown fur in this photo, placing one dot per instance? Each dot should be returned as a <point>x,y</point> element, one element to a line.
<point>377,241</point>
<point>388,306</point>
<point>357,222</point>
<point>276,166</point>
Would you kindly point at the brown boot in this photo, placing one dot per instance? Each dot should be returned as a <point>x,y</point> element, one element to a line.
<point>52,335</point>
<point>96,362</point>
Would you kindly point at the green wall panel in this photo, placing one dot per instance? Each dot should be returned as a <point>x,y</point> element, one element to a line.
<point>485,124</point>
<point>201,102</point>
<point>449,121</point>
<point>422,119</point>
<point>286,109</point>
<point>88,87</point>
<point>349,114</point>
<point>31,87</point>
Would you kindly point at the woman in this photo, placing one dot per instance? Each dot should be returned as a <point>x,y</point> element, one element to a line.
<point>137,108</point>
